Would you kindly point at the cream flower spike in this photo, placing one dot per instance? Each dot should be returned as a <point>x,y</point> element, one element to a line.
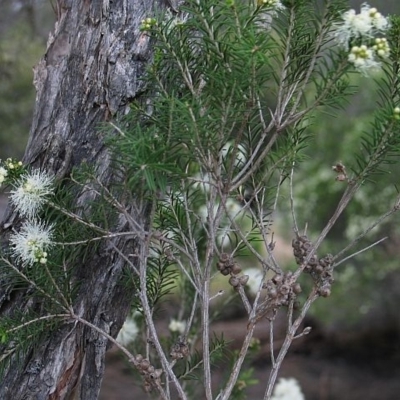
<point>33,189</point>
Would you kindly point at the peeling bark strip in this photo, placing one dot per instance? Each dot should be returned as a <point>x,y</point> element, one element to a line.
<point>90,73</point>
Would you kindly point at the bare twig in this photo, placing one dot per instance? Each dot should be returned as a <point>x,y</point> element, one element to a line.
<point>393,210</point>
<point>296,229</point>
<point>227,391</point>
<point>358,252</point>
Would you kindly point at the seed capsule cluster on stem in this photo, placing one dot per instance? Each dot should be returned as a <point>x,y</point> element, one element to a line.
<point>179,350</point>
<point>227,266</point>
<point>150,374</point>
<point>320,269</point>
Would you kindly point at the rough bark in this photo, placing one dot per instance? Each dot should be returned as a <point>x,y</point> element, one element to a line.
<point>90,73</point>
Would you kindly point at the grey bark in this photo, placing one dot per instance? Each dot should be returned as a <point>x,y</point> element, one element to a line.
<point>90,73</point>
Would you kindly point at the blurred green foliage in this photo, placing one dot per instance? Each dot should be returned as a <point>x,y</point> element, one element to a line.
<point>18,54</point>
<point>23,34</point>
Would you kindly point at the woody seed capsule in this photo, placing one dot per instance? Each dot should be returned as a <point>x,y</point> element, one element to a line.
<point>236,269</point>
<point>234,281</point>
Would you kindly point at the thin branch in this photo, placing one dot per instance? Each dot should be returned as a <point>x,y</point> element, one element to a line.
<point>31,282</point>
<point>144,251</point>
<point>358,252</point>
<point>344,201</point>
<point>271,339</point>
<point>393,210</point>
<point>117,128</point>
<point>60,293</point>
<point>184,271</point>
<point>296,229</point>
<point>123,256</point>
<point>287,342</point>
<point>32,321</point>
<point>98,238</point>
<point>225,394</point>
<point>77,218</point>
<point>244,298</point>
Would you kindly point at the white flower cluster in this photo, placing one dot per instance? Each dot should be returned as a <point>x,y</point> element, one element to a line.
<point>381,47</point>
<point>363,58</point>
<point>287,389</point>
<point>31,243</point>
<point>32,191</point>
<point>356,33</point>
<point>8,169</point>
<point>147,24</point>
<point>128,332</point>
<point>273,4</point>
<point>177,326</point>
<point>11,164</point>
<point>3,175</point>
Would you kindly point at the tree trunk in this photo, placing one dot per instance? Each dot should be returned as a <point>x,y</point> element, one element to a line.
<point>89,74</point>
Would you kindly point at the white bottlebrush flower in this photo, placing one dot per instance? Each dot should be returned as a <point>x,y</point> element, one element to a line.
<point>363,59</point>
<point>128,332</point>
<point>363,25</point>
<point>177,326</point>
<point>31,193</point>
<point>3,174</point>
<point>287,389</point>
<point>255,277</point>
<point>31,243</point>
<point>352,25</point>
<point>379,22</point>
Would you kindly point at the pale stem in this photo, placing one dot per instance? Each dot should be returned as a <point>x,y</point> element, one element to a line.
<point>286,344</point>
<point>32,321</point>
<point>60,293</point>
<point>86,241</point>
<point>150,325</point>
<point>363,234</point>
<point>226,393</point>
<point>77,218</point>
<point>296,229</point>
<point>271,339</point>
<point>206,339</point>
<point>38,288</point>
<point>112,200</point>
<point>124,257</point>
<point>344,201</point>
<point>359,252</point>
<point>244,298</point>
